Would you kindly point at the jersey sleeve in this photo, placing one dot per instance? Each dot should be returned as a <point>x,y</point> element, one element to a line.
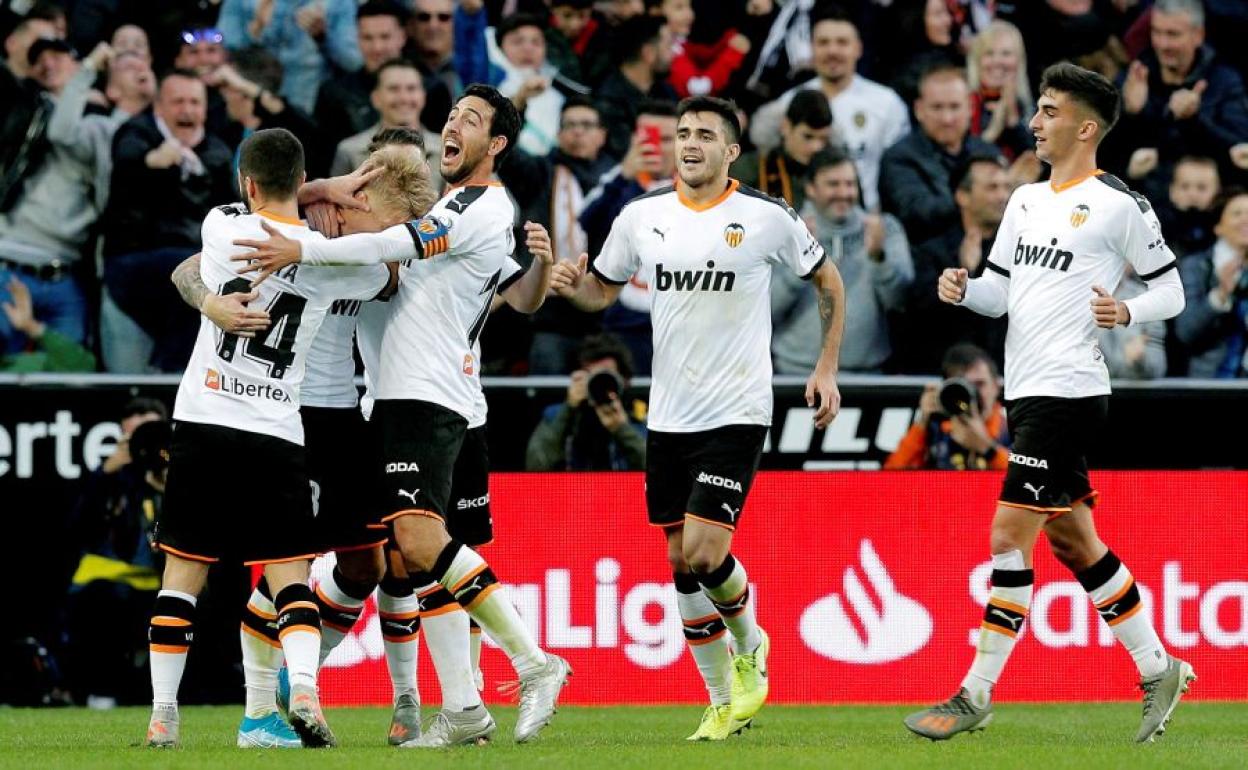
<point>799,249</point>
<point>1000,258</point>
<point>1143,244</point>
<point>619,259</point>
<point>511,272</point>
<point>390,245</point>
<point>364,282</point>
<point>217,234</point>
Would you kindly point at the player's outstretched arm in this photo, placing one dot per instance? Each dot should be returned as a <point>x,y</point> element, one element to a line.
<point>528,293</point>
<point>339,190</point>
<point>821,387</point>
<point>987,295</point>
<point>586,291</point>
<point>228,312</point>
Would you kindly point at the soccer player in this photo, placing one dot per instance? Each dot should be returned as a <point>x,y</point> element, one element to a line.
<point>428,380</point>
<point>706,247</point>
<point>1060,245</point>
<point>239,397</point>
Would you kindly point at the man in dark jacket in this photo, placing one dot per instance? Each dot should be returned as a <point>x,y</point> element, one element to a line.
<point>914,173</point>
<point>643,55</point>
<point>781,172</point>
<point>167,173</point>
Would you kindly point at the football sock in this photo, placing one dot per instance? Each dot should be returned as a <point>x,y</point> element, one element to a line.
<point>299,629</point>
<point>170,633</point>
<point>474,645</point>
<point>707,638</point>
<point>471,581</point>
<point>1114,594</point>
<point>262,654</point>
<point>729,590</point>
<point>340,602</point>
<point>399,611</point>
<point>1008,604</point>
<point>446,636</point>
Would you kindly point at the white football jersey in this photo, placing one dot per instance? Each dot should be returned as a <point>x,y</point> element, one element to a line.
<point>1054,245</point>
<point>457,251</point>
<point>330,379</point>
<point>709,271</point>
<point>254,384</point>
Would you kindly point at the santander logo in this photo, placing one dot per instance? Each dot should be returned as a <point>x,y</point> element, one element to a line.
<point>861,628</point>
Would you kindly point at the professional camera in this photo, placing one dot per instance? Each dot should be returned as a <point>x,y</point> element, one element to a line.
<point>957,395</point>
<point>602,385</point>
<point>149,446</point>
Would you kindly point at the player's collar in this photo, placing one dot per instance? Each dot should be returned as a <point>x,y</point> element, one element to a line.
<point>680,195</point>
<point>279,218</point>
<point>1057,188</point>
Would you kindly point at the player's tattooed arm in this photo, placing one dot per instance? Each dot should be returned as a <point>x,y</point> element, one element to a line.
<point>229,312</point>
<point>821,389</point>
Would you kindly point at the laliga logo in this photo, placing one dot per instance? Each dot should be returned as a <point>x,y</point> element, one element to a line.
<point>898,627</point>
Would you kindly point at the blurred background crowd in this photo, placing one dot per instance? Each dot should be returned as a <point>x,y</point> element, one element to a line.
<point>897,128</point>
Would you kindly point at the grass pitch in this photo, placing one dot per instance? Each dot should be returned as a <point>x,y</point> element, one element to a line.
<point>626,738</point>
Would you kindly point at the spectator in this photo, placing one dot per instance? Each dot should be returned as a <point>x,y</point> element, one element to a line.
<point>309,39</point>
<point>117,576</point>
<point>1213,328</point>
<point>1001,100</point>
<point>782,171</point>
<point>1136,351</point>
<point>1177,99</point>
<point>26,111</point>
<point>447,40</point>
<point>643,56</point>
<point>1066,30</point>
<point>252,102</point>
<point>44,235</point>
<point>19,40</point>
<point>868,117</point>
<point>51,351</point>
<point>344,105</point>
<point>981,189</point>
<point>52,63</point>
<point>1186,214</point>
<point>872,255</point>
<point>132,39</point>
<point>577,42</point>
<point>202,51</point>
<point>700,68</point>
<point>167,172</point>
<point>914,174</point>
<point>399,98</point>
<point>976,440</point>
<point>920,35</point>
<point>591,430</point>
<point>529,80</point>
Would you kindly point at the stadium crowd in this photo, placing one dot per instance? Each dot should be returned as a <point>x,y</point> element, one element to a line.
<point>896,129</point>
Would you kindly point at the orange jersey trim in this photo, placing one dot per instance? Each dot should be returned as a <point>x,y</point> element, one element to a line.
<point>1057,188</point>
<point>265,562</point>
<point>279,218</point>
<point>185,555</point>
<point>680,195</point>
<point>1037,509</point>
<point>414,512</point>
<point>728,527</point>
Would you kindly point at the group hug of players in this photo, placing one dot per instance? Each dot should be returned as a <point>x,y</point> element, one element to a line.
<point>267,410</point>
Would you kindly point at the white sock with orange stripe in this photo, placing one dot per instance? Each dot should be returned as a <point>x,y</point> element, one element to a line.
<point>340,602</point>
<point>707,638</point>
<point>399,611</point>
<point>446,635</point>
<point>262,655</point>
<point>170,632</point>
<point>299,629</point>
<point>729,590</point>
<point>1116,597</point>
<point>471,581</point>
<point>1008,604</point>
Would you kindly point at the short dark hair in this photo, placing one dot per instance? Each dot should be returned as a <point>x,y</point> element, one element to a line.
<point>963,356</point>
<point>832,155</point>
<point>938,67</point>
<point>809,107</point>
<point>383,8</point>
<point>599,346</point>
<point>632,36</point>
<point>1196,160</point>
<point>1224,199</point>
<point>397,135</point>
<point>144,405</point>
<point>659,108</point>
<point>1091,89</point>
<point>397,63</point>
<point>726,109</point>
<point>178,72</point>
<point>580,5</point>
<point>830,12</point>
<point>961,177</point>
<point>576,100</point>
<point>256,64</point>
<point>506,121</point>
<point>273,159</point>
<point>514,22</point>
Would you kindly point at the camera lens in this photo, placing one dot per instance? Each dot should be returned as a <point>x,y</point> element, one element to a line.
<point>602,385</point>
<point>957,395</point>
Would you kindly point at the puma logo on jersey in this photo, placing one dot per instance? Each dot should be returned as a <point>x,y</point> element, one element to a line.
<point>409,495</point>
<point>718,481</point>
<point>662,235</point>
<point>1047,256</point>
<point>1030,462</point>
<point>1034,490</point>
<point>694,280</point>
<point>1014,622</point>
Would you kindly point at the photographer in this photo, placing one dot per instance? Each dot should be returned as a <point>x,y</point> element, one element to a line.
<point>961,425</point>
<point>591,430</point>
<point>117,576</point>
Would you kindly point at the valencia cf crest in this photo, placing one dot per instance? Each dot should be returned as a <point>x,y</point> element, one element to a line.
<point>1079,215</point>
<point>734,234</point>
<point>860,119</point>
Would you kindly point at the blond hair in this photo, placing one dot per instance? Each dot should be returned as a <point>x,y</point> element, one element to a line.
<point>979,46</point>
<point>404,186</point>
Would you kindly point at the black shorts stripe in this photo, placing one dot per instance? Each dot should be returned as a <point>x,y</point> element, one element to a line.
<point>1171,265</point>
<point>994,267</point>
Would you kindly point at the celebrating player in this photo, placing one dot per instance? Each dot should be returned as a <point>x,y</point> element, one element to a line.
<point>706,247</point>
<point>1061,245</point>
